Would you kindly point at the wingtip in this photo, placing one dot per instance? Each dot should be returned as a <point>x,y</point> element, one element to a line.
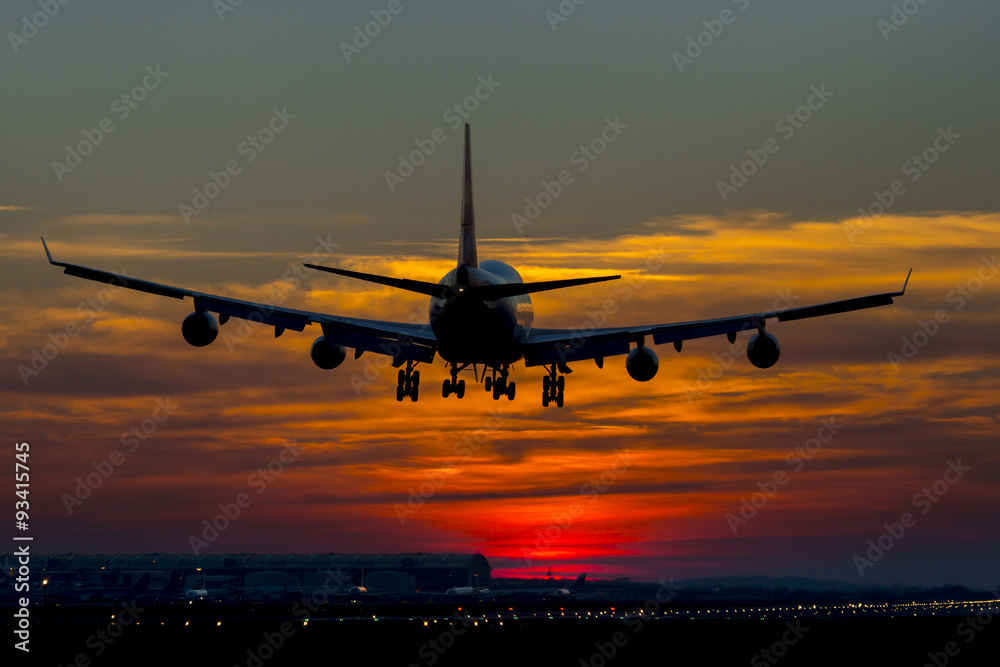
<point>906,282</point>
<point>47,253</point>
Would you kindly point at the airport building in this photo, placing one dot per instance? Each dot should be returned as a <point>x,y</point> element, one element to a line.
<point>102,576</point>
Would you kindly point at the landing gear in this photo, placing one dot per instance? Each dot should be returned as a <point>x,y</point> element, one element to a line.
<point>408,383</point>
<point>454,385</point>
<point>554,386</point>
<point>497,383</point>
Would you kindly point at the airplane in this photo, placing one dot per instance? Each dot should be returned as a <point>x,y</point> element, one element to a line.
<point>480,314</point>
<point>574,587</point>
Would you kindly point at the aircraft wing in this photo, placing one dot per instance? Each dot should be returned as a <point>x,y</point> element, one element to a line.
<point>556,346</point>
<point>397,339</point>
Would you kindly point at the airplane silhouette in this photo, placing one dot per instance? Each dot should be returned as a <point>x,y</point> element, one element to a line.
<point>480,315</point>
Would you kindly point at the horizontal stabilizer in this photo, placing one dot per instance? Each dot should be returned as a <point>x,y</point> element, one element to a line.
<point>430,289</point>
<point>494,292</point>
<point>483,292</point>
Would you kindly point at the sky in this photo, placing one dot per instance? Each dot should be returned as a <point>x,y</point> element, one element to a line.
<point>725,157</point>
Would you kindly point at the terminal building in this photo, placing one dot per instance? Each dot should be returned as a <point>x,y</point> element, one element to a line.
<point>102,576</point>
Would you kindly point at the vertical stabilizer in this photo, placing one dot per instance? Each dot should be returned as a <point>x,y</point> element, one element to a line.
<point>467,255</point>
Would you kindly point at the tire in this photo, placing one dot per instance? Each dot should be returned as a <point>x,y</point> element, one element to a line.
<point>559,400</point>
<point>545,399</point>
<point>399,393</point>
<point>445,389</point>
<point>496,391</point>
<point>416,379</point>
<point>489,383</point>
<point>561,383</point>
<point>401,377</point>
<point>460,391</point>
<point>414,393</point>
<point>546,384</point>
<point>510,391</point>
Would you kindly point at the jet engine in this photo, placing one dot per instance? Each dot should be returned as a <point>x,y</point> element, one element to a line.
<point>763,350</point>
<point>642,364</point>
<point>200,328</point>
<point>326,355</point>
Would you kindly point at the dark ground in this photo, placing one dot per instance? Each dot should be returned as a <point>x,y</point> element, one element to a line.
<point>251,635</point>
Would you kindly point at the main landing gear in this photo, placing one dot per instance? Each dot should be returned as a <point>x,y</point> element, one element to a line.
<point>497,383</point>
<point>454,385</point>
<point>408,383</point>
<point>554,385</point>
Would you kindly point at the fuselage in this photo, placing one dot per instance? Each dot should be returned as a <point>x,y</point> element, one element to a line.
<point>470,330</point>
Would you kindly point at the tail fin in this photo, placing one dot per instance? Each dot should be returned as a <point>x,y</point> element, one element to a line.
<point>467,255</point>
<point>578,583</point>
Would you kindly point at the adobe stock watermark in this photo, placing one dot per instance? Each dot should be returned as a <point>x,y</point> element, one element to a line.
<point>59,340</point>
<point>365,33</point>
<point>624,290</point>
<point>562,12</point>
<point>592,490</point>
<point>389,350</point>
<point>922,501</point>
<point>581,159</point>
<point>463,450</point>
<point>272,642</point>
<point>928,329</point>
<point>725,360</point>
<point>432,650</point>
<point>454,116</point>
<point>914,168</point>
<point>259,481</point>
<point>31,25</point>
<point>130,440</point>
<point>796,460</point>
<point>899,17</point>
<point>223,7</point>
<point>605,651</point>
<point>968,629</point>
<point>100,640</point>
<point>249,149</point>
<point>779,649</point>
<point>697,44</point>
<point>786,126</point>
<point>122,107</point>
<point>292,278</point>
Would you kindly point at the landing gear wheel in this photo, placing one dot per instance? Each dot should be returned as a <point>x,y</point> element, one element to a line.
<point>408,383</point>
<point>554,386</point>
<point>489,383</point>
<point>446,389</point>
<point>496,391</point>
<point>510,391</point>
<point>460,390</point>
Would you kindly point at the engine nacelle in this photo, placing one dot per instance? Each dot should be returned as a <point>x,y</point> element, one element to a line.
<point>763,350</point>
<point>326,355</point>
<point>200,328</point>
<point>642,364</point>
